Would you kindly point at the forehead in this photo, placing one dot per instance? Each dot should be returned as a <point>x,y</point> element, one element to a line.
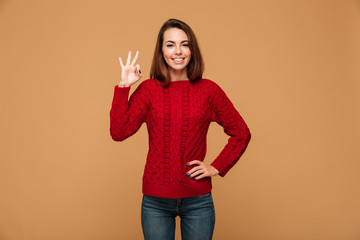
<point>175,34</point>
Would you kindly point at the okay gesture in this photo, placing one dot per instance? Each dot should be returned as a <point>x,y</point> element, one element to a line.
<point>130,73</point>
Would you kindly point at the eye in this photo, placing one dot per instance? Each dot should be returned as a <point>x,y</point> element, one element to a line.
<point>186,45</point>
<point>169,45</point>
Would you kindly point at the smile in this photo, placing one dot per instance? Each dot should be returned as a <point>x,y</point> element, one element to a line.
<point>178,60</point>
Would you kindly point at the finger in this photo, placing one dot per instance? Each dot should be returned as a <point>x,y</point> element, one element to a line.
<point>197,173</point>
<point>194,162</point>
<point>201,176</point>
<point>121,63</point>
<point>194,169</point>
<point>135,58</point>
<point>128,59</point>
<point>137,68</point>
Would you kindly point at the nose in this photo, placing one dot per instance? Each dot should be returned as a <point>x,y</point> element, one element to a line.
<point>178,50</point>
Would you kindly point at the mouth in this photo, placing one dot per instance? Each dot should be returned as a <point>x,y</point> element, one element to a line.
<point>178,60</point>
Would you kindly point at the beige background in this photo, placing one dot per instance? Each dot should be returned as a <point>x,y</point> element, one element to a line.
<point>291,68</point>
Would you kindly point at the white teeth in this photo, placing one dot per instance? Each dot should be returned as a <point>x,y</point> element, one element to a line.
<point>178,59</point>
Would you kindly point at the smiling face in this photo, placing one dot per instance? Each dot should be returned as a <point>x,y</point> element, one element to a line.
<point>176,50</point>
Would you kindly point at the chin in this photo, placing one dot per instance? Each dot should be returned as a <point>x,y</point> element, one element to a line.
<point>178,67</point>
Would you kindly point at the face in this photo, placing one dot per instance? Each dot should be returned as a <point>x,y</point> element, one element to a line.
<point>176,49</point>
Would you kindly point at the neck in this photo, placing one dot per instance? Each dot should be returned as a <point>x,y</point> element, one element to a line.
<point>178,75</point>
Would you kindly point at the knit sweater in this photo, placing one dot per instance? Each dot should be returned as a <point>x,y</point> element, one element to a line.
<point>177,119</point>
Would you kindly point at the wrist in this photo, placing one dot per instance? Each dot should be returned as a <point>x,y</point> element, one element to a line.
<point>215,170</point>
<point>121,84</point>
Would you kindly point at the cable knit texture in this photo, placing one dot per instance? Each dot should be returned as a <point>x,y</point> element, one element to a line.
<point>178,119</point>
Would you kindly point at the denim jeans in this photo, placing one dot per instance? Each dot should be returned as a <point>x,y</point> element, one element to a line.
<point>197,217</point>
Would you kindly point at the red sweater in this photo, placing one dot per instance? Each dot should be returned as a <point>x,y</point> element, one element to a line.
<point>177,119</point>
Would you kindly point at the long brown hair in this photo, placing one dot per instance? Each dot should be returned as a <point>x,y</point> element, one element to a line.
<point>159,68</point>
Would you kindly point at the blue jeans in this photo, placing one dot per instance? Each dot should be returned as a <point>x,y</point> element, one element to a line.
<point>197,217</point>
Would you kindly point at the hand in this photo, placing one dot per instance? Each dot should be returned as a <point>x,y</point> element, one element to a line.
<point>130,73</point>
<point>202,170</point>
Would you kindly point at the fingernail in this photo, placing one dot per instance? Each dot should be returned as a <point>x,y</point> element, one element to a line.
<point>139,71</point>
<point>188,164</point>
<point>187,174</point>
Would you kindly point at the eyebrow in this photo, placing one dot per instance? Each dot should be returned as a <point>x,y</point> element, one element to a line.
<point>174,42</point>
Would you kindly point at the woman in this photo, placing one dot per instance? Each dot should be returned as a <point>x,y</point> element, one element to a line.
<point>177,105</point>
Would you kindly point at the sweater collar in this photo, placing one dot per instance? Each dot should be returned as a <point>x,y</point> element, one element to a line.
<point>179,83</point>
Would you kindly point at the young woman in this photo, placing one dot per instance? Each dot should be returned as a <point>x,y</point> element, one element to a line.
<point>177,105</point>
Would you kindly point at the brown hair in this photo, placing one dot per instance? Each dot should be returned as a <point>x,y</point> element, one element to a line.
<point>159,68</point>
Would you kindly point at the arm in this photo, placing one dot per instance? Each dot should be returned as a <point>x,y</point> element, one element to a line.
<point>126,116</point>
<point>225,114</point>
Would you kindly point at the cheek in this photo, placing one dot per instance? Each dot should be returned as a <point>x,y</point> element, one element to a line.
<point>165,53</point>
<point>167,59</point>
<point>189,55</point>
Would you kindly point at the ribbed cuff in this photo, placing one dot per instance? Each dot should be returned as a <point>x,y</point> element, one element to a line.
<point>121,94</point>
<point>221,166</point>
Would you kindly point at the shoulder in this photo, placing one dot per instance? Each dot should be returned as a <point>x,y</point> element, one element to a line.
<point>217,94</point>
<point>144,86</point>
<point>149,84</point>
<point>146,83</point>
<point>142,91</point>
<point>211,85</point>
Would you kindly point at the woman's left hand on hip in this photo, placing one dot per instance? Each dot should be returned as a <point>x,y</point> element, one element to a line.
<point>201,170</point>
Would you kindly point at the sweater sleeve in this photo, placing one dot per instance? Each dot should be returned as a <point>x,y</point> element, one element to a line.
<point>126,116</point>
<point>225,114</point>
